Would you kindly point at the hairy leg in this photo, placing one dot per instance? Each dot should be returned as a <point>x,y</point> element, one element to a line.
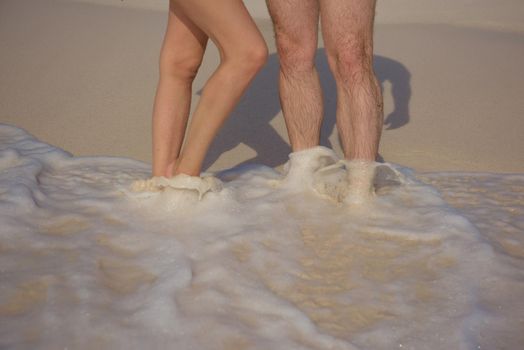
<point>182,51</point>
<point>243,52</point>
<point>296,32</point>
<point>347,28</point>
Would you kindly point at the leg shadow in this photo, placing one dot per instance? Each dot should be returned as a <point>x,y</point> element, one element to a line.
<point>386,70</point>
<point>250,122</point>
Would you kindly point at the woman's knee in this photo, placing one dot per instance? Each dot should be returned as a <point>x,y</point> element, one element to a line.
<point>182,65</point>
<point>258,54</point>
<point>248,60</point>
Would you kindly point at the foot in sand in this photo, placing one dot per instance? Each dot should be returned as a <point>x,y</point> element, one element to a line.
<point>346,181</point>
<point>356,181</point>
<point>353,182</point>
<point>201,185</point>
<point>302,165</point>
<point>360,176</point>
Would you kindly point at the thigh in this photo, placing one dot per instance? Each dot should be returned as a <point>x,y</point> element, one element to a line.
<point>295,23</point>
<point>347,24</point>
<point>226,22</point>
<point>183,39</point>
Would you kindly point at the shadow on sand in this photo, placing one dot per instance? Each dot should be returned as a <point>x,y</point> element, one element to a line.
<point>250,121</point>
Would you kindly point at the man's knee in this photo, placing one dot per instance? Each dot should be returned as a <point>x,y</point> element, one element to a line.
<point>352,61</point>
<point>180,65</point>
<point>296,54</point>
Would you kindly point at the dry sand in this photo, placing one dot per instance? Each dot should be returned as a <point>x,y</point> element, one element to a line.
<point>81,75</point>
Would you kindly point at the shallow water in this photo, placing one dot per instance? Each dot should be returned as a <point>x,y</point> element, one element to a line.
<point>263,264</point>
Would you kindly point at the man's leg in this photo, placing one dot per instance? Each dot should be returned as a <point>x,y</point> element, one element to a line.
<point>347,28</point>
<point>296,31</point>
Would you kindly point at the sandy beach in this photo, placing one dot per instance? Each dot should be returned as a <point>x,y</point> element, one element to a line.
<point>81,75</point>
<point>261,255</point>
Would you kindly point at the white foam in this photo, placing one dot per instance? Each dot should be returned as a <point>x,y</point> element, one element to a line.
<point>181,182</point>
<point>267,262</point>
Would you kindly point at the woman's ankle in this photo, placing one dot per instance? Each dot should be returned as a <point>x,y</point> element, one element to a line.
<point>171,168</point>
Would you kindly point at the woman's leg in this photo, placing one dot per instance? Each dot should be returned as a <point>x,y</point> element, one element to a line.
<point>242,51</point>
<point>181,55</point>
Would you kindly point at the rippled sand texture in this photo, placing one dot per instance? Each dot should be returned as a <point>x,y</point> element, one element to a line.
<point>263,264</point>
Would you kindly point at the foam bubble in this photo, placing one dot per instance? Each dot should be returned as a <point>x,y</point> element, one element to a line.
<point>271,261</point>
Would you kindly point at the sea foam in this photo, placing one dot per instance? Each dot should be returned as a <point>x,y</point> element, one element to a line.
<point>267,262</point>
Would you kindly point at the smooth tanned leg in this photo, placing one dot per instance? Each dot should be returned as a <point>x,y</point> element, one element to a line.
<point>296,31</point>
<point>182,51</point>
<point>243,52</point>
<point>347,28</point>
